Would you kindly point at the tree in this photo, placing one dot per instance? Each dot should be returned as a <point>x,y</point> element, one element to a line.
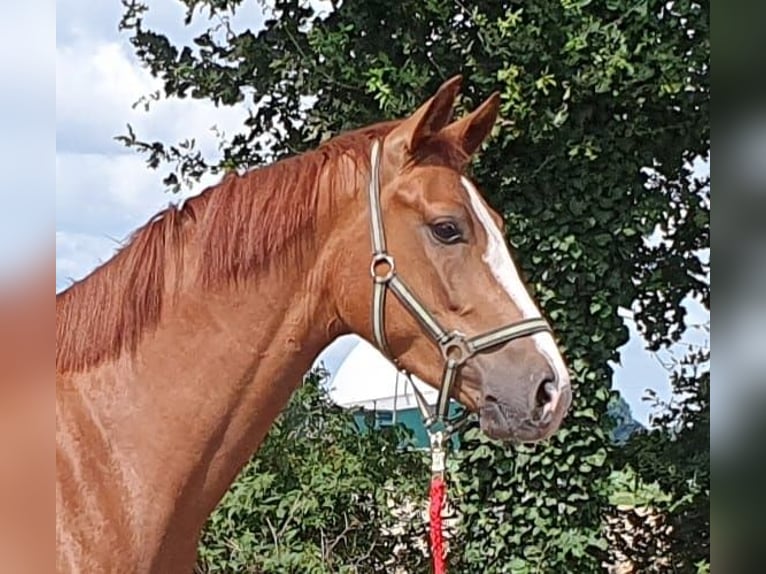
<point>624,424</point>
<point>604,109</point>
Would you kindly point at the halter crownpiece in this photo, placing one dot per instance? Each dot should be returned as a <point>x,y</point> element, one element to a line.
<point>456,348</point>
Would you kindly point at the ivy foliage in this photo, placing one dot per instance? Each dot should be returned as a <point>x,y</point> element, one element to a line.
<point>604,112</point>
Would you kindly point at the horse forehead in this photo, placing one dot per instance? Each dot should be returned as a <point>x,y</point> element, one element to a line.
<point>437,179</point>
<point>486,218</point>
<point>479,202</point>
<point>433,185</point>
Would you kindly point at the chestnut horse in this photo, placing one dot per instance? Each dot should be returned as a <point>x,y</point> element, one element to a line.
<point>174,358</point>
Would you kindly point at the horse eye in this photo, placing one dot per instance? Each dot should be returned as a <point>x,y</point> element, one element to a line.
<point>446,232</point>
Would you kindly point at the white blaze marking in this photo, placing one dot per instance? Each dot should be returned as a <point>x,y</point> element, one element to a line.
<point>501,265</point>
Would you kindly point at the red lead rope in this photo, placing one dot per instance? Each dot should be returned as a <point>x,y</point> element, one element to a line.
<point>437,496</point>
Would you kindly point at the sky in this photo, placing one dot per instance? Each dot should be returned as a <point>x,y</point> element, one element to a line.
<point>104,190</point>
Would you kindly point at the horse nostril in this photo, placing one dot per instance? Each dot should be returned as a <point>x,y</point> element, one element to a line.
<point>546,393</point>
<point>490,399</point>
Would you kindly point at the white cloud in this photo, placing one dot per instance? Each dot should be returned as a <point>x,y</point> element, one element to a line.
<point>97,85</point>
<point>104,193</point>
<point>79,20</point>
<point>77,254</point>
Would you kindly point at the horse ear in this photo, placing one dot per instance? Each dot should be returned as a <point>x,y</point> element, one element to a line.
<point>470,131</point>
<point>429,118</point>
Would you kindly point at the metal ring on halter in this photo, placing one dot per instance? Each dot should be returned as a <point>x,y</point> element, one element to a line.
<point>378,259</point>
<point>456,348</point>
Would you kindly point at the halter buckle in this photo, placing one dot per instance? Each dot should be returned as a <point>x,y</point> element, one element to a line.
<point>382,259</point>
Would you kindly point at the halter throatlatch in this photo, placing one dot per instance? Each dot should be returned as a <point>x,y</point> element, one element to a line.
<point>456,348</point>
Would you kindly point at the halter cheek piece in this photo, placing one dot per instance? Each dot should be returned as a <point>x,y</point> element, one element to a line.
<point>456,348</point>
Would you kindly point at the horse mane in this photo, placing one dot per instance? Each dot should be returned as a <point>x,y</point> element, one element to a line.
<point>240,225</point>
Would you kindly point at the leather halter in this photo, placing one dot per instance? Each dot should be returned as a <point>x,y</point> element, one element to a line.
<point>456,348</point>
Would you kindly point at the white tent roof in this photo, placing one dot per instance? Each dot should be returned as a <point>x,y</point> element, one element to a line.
<point>366,378</point>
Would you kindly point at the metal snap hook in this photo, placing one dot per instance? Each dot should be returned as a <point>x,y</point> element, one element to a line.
<point>382,259</point>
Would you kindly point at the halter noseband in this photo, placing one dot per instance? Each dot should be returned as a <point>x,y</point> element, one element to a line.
<point>456,348</point>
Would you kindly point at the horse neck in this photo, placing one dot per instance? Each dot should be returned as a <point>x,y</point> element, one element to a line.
<point>185,411</point>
